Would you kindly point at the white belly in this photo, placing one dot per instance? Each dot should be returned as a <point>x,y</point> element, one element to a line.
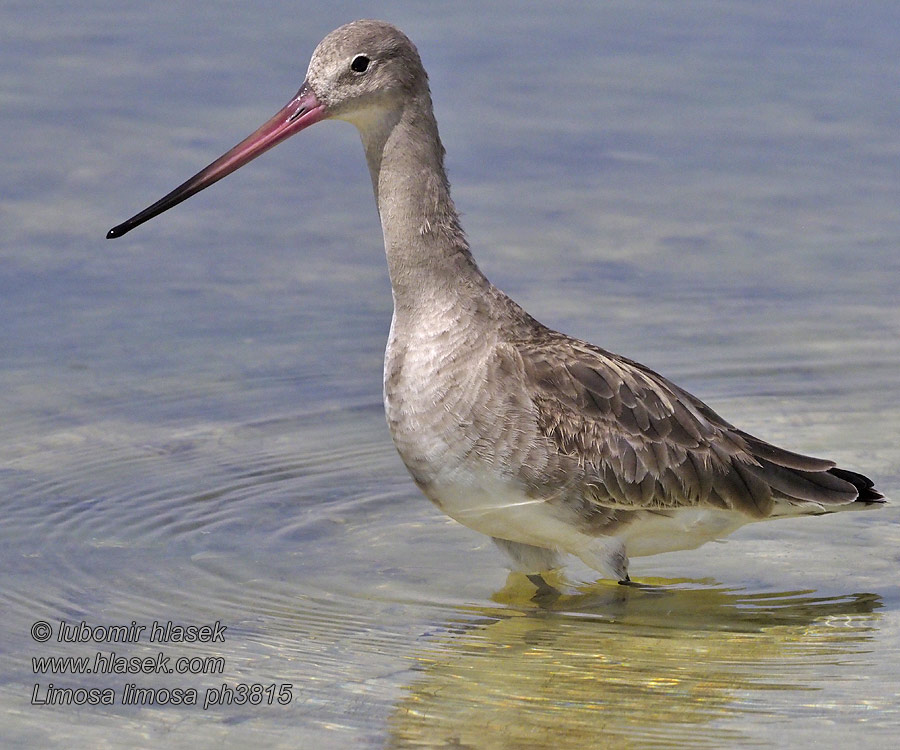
<point>499,508</point>
<point>685,528</point>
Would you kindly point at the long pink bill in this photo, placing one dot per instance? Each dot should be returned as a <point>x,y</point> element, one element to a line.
<point>301,112</point>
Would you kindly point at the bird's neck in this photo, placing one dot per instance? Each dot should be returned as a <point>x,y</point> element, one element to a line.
<point>428,257</point>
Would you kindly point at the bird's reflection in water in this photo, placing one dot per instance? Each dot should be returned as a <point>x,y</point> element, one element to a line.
<point>666,665</point>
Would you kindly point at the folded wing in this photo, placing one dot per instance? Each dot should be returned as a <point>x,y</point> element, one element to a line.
<point>645,443</point>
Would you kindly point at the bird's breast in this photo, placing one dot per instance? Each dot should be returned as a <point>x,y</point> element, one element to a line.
<point>435,373</point>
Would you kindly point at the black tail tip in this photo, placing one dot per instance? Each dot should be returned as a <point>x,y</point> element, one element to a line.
<point>865,487</point>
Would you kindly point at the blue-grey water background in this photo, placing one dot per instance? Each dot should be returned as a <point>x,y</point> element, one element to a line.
<point>191,416</point>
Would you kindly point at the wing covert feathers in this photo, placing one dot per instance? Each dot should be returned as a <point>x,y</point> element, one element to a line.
<point>643,442</point>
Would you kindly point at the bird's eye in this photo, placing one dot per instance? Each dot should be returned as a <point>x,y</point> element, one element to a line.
<point>360,64</point>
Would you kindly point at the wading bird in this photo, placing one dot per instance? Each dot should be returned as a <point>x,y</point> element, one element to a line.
<point>547,444</point>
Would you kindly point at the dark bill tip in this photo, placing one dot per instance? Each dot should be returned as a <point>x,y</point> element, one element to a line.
<point>118,231</point>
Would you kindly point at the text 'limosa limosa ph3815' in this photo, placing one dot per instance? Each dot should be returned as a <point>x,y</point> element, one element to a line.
<point>548,444</point>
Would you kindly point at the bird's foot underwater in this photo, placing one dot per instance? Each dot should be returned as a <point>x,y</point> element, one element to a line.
<point>546,594</point>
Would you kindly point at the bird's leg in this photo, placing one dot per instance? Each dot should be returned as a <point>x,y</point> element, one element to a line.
<point>545,594</point>
<point>528,558</point>
<point>533,562</point>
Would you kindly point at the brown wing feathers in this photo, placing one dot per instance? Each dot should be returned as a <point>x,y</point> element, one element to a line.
<point>644,442</point>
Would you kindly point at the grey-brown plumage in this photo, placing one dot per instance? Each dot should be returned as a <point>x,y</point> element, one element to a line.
<point>646,443</point>
<point>543,442</point>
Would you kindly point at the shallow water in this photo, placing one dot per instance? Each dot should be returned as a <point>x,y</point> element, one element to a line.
<point>192,420</point>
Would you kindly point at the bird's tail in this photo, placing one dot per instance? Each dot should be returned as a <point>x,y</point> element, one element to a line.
<point>803,485</point>
<point>867,495</point>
